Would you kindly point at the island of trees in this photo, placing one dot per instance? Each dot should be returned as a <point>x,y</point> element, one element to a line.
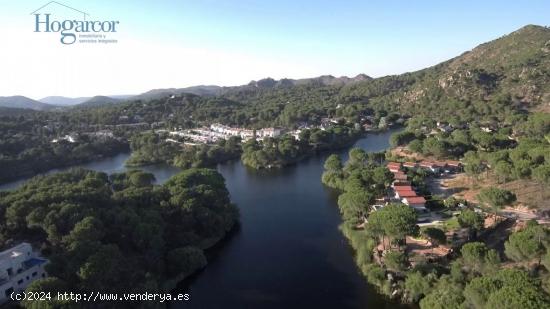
<point>279,152</point>
<point>119,232</point>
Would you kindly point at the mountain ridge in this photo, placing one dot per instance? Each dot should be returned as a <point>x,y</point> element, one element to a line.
<point>19,101</point>
<point>514,67</point>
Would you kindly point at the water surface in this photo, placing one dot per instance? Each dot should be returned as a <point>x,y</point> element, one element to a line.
<point>287,251</point>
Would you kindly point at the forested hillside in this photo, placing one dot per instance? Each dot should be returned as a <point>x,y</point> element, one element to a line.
<point>491,82</point>
<point>508,74</point>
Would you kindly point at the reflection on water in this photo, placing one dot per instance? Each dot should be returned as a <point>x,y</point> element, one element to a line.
<point>108,165</point>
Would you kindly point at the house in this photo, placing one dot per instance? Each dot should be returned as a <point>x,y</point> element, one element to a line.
<point>247,134</point>
<point>68,138</point>
<point>268,132</point>
<point>295,134</point>
<point>410,165</point>
<point>400,183</point>
<point>394,167</point>
<point>399,176</point>
<point>19,266</point>
<point>431,166</point>
<point>417,202</point>
<point>400,194</point>
<point>403,188</point>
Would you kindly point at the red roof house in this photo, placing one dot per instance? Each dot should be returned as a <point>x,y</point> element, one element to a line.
<point>405,193</point>
<point>417,202</point>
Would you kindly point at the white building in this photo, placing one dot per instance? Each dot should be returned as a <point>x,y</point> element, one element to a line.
<point>68,138</point>
<point>268,132</point>
<point>19,266</point>
<point>295,134</point>
<point>247,134</point>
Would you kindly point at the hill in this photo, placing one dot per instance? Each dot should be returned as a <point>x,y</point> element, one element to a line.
<point>167,92</point>
<point>511,71</point>
<point>266,83</point>
<point>24,102</point>
<point>63,101</point>
<point>99,101</point>
<point>493,82</point>
<point>66,101</point>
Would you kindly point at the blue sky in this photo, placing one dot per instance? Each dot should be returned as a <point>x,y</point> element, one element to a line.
<point>183,43</point>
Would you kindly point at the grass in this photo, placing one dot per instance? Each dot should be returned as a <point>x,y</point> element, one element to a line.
<point>451,224</point>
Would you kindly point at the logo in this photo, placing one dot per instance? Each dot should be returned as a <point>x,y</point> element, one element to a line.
<point>77,29</point>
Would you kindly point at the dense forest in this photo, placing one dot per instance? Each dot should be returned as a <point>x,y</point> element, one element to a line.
<point>285,150</point>
<point>152,148</point>
<point>117,233</point>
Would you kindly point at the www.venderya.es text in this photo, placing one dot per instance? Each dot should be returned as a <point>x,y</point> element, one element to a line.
<point>98,297</point>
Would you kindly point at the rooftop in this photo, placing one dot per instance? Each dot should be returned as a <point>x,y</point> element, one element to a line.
<point>415,200</point>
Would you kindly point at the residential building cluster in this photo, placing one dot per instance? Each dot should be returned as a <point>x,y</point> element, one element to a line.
<point>402,189</point>
<point>216,132</point>
<point>19,266</point>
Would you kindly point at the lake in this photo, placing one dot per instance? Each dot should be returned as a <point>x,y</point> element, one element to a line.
<point>287,251</point>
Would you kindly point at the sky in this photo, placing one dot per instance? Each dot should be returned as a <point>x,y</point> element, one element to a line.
<point>175,44</point>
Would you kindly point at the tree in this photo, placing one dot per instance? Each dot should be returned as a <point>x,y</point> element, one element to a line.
<point>504,170</point>
<point>395,221</point>
<point>445,295</point>
<point>401,138</point>
<point>485,140</point>
<point>496,198</point>
<point>471,220</point>
<point>416,146</point>
<point>396,261</point>
<point>185,260</point>
<point>517,290</point>
<point>102,270</point>
<point>513,297</point>
<point>478,291</point>
<point>435,147</point>
<point>141,179</point>
<point>382,178</point>
<point>451,202</point>
<point>461,137</point>
<point>546,260</point>
<point>333,163</point>
<point>88,229</point>
<point>435,236</point>
<point>355,204</point>
<point>417,285</point>
<point>376,157</point>
<point>542,175</point>
<point>473,165</point>
<point>357,158</point>
<point>477,258</point>
<point>527,244</point>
